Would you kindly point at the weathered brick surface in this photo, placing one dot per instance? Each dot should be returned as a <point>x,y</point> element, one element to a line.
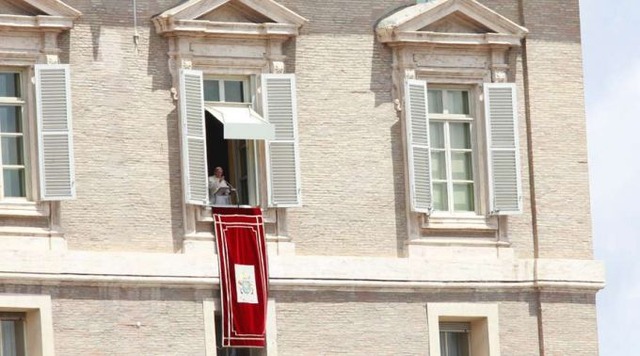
<point>101,321</point>
<point>558,129</point>
<point>127,159</point>
<point>365,323</point>
<point>127,146</point>
<point>125,133</point>
<point>569,322</point>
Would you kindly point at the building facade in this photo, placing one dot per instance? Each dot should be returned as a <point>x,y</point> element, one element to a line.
<point>421,169</point>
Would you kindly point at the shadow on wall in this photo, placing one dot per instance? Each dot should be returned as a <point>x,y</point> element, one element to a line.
<point>175,179</point>
<point>109,27</point>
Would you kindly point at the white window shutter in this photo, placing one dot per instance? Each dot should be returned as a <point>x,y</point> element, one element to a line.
<point>283,168</point>
<point>55,142</point>
<point>193,138</point>
<point>418,154</point>
<point>501,114</point>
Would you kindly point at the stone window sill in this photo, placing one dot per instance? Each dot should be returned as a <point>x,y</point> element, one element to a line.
<point>462,222</point>
<point>22,207</point>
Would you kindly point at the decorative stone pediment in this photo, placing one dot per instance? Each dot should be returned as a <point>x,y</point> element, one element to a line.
<point>449,22</point>
<point>229,19</point>
<point>36,15</point>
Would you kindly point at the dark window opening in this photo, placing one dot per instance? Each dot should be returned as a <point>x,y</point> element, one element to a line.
<point>235,159</point>
<point>227,351</point>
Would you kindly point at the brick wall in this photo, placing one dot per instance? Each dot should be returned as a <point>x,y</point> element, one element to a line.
<point>103,320</point>
<point>369,323</point>
<point>125,133</point>
<point>127,145</point>
<point>127,159</point>
<point>569,324</point>
<point>558,129</point>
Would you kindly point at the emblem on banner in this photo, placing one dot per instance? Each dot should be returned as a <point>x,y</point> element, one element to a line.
<point>246,290</point>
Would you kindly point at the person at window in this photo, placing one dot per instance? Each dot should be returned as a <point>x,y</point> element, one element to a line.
<point>219,189</point>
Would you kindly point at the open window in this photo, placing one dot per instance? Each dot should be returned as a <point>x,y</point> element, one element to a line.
<point>36,158</point>
<point>445,157</point>
<point>237,107</point>
<point>12,135</point>
<point>456,94</point>
<point>232,129</point>
<point>52,128</point>
<point>222,129</point>
<point>453,148</point>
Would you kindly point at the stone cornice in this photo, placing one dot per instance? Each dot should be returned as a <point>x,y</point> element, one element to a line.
<point>407,25</point>
<point>183,20</point>
<point>453,39</point>
<point>304,272</point>
<point>57,16</point>
<point>54,8</point>
<point>39,22</point>
<point>225,29</point>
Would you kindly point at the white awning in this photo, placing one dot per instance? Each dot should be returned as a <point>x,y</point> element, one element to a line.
<point>241,122</point>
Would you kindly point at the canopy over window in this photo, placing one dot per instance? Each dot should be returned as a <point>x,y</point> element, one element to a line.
<point>241,122</point>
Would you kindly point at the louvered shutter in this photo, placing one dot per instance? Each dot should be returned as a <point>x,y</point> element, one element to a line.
<point>194,157</point>
<point>55,142</point>
<point>279,103</point>
<point>418,155</point>
<point>502,142</point>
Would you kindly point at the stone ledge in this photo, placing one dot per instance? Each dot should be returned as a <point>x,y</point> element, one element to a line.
<point>313,272</point>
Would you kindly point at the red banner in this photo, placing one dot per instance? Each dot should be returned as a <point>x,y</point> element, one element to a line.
<point>244,276</point>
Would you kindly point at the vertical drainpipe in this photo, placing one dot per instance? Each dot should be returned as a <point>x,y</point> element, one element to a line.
<point>136,35</point>
<point>532,185</point>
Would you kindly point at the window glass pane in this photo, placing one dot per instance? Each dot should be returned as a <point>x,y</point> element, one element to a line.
<point>14,182</point>
<point>463,339</point>
<point>458,102</point>
<point>434,98</point>
<point>461,166</point>
<point>233,91</point>
<point>12,151</point>
<point>438,165</point>
<point>12,343</point>
<point>443,344</point>
<point>440,201</point>
<point>10,119</point>
<point>436,134</point>
<point>463,197</point>
<point>460,133</point>
<point>211,90</point>
<point>10,85</point>
<point>453,348</point>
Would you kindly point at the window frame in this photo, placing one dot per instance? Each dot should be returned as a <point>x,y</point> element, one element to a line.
<point>483,318</point>
<point>21,318</point>
<point>249,89</point>
<point>446,328</point>
<point>473,120</point>
<point>24,101</point>
<point>479,220</point>
<point>38,325</point>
